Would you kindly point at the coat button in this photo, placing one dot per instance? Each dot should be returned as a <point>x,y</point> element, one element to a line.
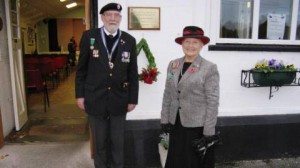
<point>179,108</point>
<point>178,91</point>
<point>110,74</point>
<point>109,88</point>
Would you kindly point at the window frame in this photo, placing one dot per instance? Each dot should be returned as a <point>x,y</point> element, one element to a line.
<point>254,40</point>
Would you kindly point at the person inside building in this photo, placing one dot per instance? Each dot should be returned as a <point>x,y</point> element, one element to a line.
<point>72,51</point>
<point>190,102</point>
<point>107,85</point>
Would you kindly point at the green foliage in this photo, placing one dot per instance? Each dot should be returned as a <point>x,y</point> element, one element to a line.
<point>144,45</point>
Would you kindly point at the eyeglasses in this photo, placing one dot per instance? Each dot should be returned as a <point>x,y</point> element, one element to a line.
<point>110,15</point>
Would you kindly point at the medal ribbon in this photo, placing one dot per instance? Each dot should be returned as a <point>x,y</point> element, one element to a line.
<point>92,42</point>
<point>114,45</point>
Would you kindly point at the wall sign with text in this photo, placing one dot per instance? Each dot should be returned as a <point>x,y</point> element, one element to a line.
<point>143,18</point>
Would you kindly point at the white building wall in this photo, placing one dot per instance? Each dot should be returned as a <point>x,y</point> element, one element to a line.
<point>235,100</point>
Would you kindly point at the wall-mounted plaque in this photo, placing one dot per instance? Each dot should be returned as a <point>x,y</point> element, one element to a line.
<point>143,18</point>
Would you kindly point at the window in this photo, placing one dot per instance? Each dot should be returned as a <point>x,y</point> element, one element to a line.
<point>298,24</point>
<point>236,19</point>
<point>259,21</point>
<point>275,19</point>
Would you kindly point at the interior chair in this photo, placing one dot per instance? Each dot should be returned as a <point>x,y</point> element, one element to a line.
<point>61,65</point>
<point>48,70</point>
<point>31,63</point>
<point>34,82</point>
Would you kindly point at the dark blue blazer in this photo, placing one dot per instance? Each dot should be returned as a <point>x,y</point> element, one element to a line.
<point>106,90</point>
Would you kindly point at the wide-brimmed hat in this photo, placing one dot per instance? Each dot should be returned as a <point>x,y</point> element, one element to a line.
<point>111,6</point>
<point>192,32</point>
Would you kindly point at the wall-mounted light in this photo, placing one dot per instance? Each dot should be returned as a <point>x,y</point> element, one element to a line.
<point>71,5</point>
<point>62,0</point>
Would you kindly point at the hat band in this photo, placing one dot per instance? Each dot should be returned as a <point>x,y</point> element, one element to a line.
<point>197,32</point>
<point>192,35</point>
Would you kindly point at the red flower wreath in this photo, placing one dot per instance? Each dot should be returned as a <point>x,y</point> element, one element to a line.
<point>148,75</point>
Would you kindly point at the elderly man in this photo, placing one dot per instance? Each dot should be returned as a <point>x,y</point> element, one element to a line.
<point>107,85</point>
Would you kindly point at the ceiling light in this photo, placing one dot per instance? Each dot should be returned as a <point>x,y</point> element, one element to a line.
<point>62,0</point>
<point>71,5</point>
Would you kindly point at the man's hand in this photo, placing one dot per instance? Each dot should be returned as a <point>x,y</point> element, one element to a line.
<point>130,107</point>
<point>80,103</point>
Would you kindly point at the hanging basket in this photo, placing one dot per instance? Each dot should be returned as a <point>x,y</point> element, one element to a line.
<point>275,78</point>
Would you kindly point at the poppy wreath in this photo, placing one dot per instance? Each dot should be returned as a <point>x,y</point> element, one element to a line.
<point>149,74</point>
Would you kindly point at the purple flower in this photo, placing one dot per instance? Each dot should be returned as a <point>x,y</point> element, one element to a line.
<point>271,62</point>
<point>278,66</point>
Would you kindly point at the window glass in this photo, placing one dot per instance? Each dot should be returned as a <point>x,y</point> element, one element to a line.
<point>275,19</point>
<point>236,19</point>
<point>298,24</point>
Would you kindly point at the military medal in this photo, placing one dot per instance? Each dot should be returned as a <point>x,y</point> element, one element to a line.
<point>92,42</point>
<point>109,54</point>
<point>96,53</point>
<point>126,57</point>
<point>111,65</point>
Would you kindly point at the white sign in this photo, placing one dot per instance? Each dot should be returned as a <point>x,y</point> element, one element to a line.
<point>275,26</point>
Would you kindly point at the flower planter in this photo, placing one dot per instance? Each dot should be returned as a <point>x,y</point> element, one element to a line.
<point>276,78</point>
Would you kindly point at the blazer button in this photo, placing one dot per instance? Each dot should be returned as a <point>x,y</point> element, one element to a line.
<point>179,108</point>
<point>110,74</point>
<point>109,88</point>
<point>178,91</point>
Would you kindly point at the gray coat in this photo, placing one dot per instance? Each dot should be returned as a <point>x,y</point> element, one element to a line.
<point>196,96</point>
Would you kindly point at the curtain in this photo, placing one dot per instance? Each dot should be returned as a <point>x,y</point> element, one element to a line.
<point>53,41</point>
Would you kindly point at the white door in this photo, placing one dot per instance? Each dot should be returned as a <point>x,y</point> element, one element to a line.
<point>16,63</point>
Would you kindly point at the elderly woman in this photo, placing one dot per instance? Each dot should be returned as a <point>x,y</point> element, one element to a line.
<point>190,102</point>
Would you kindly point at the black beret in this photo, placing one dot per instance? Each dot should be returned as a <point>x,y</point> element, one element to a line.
<point>111,6</point>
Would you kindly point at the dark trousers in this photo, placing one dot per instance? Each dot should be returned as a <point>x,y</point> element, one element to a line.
<point>72,58</point>
<point>108,140</point>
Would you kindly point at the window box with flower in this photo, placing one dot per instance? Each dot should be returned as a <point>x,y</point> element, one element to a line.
<point>271,73</point>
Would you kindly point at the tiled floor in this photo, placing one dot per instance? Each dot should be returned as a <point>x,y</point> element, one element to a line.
<point>63,120</point>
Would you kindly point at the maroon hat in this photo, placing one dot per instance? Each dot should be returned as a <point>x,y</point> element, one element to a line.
<point>192,32</point>
<point>111,6</point>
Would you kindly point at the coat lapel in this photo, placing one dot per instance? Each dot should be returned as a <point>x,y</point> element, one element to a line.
<point>103,57</point>
<point>176,71</point>
<point>120,48</point>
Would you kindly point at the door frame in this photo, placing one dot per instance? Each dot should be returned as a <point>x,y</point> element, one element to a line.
<point>16,66</point>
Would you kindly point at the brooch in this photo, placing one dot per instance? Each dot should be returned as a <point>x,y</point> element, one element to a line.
<point>122,42</point>
<point>170,76</point>
<point>175,64</point>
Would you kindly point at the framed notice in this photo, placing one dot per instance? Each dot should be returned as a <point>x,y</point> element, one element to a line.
<point>143,18</point>
<point>30,36</point>
<point>276,26</point>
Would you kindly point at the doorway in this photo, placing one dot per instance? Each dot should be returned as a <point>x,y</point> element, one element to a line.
<point>62,121</point>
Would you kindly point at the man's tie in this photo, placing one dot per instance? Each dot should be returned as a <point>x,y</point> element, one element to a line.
<point>111,36</point>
